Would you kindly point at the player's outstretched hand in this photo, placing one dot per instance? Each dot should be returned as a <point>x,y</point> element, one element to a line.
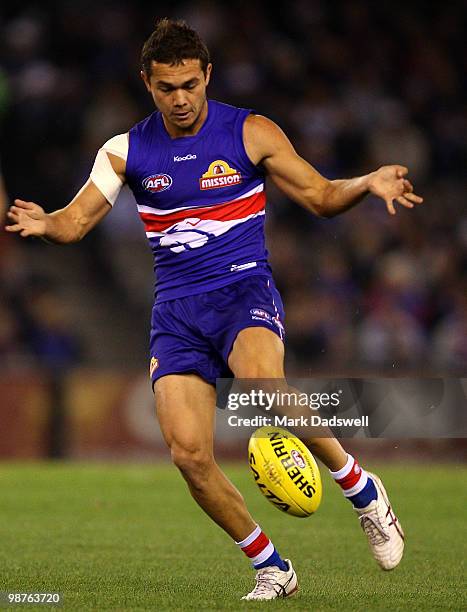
<point>389,183</point>
<point>27,219</point>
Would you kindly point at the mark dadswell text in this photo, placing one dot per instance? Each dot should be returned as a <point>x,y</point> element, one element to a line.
<point>313,420</point>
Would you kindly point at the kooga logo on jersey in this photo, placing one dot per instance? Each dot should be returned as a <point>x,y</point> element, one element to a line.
<point>157,182</point>
<point>219,174</point>
<point>177,158</point>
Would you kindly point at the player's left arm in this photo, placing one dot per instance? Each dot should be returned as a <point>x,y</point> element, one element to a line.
<point>266,144</point>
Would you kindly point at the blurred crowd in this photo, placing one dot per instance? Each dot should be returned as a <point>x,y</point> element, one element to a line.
<point>354,84</point>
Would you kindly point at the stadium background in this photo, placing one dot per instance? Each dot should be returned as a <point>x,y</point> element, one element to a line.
<point>355,85</point>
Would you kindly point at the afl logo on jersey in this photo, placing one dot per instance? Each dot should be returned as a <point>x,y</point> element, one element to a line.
<point>219,174</point>
<point>157,182</point>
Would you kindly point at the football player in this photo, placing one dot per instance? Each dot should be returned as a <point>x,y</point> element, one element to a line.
<point>197,169</point>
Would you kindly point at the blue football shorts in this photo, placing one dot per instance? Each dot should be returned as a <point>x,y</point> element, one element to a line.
<point>196,333</point>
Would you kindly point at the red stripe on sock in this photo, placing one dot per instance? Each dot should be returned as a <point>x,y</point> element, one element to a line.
<point>258,545</point>
<point>352,477</point>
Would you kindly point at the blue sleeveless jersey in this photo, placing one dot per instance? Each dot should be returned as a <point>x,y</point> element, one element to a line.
<point>202,202</point>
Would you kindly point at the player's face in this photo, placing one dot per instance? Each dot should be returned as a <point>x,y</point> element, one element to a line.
<point>179,92</point>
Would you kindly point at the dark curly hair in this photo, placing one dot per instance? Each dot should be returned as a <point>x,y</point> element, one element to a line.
<point>171,43</point>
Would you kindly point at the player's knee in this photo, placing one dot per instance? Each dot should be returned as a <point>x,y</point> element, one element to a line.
<point>193,463</point>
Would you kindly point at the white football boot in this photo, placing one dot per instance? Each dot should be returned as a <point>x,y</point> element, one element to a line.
<point>382,528</point>
<point>273,583</point>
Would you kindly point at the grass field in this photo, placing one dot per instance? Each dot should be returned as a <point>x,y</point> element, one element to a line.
<point>112,537</point>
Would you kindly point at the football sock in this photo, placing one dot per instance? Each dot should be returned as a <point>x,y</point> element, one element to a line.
<point>259,548</point>
<point>356,485</point>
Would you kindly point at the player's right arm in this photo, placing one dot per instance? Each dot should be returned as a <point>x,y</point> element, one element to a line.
<point>93,201</point>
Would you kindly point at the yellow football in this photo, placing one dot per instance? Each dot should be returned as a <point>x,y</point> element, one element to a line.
<point>285,471</point>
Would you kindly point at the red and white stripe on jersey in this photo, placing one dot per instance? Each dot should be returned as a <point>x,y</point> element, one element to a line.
<point>351,478</point>
<point>257,546</point>
<point>216,219</point>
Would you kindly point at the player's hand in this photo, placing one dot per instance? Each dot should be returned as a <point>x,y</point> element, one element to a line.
<point>27,219</point>
<point>389,183</point>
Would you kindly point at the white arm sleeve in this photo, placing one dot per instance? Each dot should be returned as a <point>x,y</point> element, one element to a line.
<point>103,175</point>
<point>118,145</point>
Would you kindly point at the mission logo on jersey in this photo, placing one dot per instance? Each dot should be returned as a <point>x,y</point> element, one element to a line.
<point>219,174</point>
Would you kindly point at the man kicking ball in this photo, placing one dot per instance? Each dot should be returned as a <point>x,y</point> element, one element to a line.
<point>197,169</point>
